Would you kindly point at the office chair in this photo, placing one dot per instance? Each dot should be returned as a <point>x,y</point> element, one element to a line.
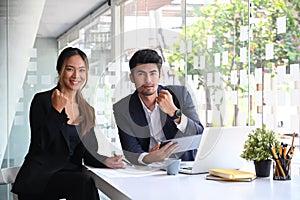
<point>8,176</point>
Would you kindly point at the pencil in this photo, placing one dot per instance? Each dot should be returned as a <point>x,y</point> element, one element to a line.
<point>126,161</point>
<point>277,161</point>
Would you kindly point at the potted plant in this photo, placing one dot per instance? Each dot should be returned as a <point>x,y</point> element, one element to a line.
<point>257,148</point>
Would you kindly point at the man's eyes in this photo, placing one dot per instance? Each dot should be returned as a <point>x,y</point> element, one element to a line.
<point>143,73</point>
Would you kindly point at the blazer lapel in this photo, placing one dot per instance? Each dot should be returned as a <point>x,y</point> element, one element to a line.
<point>136,110</point>
<point>138,117</point>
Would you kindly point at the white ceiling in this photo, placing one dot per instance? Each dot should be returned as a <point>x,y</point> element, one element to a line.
<point>60,15</point>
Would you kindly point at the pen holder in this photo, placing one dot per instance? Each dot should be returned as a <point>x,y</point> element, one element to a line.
<point>282,169</point>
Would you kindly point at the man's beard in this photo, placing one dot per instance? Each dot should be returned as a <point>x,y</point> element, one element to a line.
<point>147,93</point>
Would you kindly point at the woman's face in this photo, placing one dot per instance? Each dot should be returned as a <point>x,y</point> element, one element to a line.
<point>74,74</point>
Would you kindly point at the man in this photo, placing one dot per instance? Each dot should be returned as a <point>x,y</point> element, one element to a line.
<point>154,113</point>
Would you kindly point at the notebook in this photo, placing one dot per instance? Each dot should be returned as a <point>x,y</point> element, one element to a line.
<point>231,173</point>
<point>220,147</point>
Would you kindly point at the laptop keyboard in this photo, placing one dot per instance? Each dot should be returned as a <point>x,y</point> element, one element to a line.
<point>188,168</point>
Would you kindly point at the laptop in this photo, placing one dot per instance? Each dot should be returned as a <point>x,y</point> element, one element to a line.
<point>220,147</point>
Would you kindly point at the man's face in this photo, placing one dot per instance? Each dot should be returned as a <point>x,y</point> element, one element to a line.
<point>146,78</point>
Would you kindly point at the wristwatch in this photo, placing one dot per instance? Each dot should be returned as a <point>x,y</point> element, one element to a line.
<point>177,114</point>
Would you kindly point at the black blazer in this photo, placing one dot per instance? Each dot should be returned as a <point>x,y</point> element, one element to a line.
<point>49,147</point>
<point>133,127</point>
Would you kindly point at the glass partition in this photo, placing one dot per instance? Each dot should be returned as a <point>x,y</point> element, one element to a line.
<point>239,59</point>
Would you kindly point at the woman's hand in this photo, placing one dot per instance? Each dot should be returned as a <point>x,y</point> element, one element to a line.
<point>59,100</point>
<point>115,162</point>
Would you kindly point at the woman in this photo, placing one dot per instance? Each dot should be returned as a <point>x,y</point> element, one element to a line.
<point>62,136</point>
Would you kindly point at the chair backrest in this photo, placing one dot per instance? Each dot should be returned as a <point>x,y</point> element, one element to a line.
<point>8,175</point>
<point>2,181</point>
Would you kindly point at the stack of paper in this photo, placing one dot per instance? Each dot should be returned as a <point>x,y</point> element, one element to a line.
<point>230,175</point>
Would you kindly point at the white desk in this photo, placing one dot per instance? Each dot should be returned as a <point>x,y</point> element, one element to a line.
<point>158,185</point>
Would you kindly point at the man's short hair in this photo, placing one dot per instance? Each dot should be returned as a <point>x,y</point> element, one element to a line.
<point>145,56</point>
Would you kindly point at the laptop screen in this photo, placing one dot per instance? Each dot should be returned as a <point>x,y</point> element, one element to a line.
<point>221,147</point>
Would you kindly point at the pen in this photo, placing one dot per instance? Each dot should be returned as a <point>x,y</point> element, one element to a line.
<point>273,151</point>
<point>291,149</point>
<point>284,151</point>
<point>280,150</point>
<point>125,161</point>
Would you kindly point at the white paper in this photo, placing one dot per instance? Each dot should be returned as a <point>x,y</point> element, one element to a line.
<point>225,58</point>
<point>267,109</point>
<point>295,100</point>
<point>195,80</point>
<point>182,64</point>
<point>281,97</point>
<point>100,93</point>
<point>196,62</point>
<point>217,79</point>
<point>138,171</point>
<point>112,67</point>
<point>243,54</point>
<point>295,123</point>
<point>190,79</point>
<point>32,66</point>
<point>258,119</point>
<point>269,51</point>
<point>202,62</point>
<point>32,79</point>
<point>234,97</point>
<point>243,77</point>
<point>209,116</point>
<point>217,59</point>
<point>20,107</point>
<point>182,47</point>
<point>281,24</point>
<point>218,96</point>
<point>112,79</point>
<point>209,42</point>
<point>269,121</point>
<point>281,74</point>
<point>244,33</point>
<point>269,98</point>
<point>258,98</point>
<point>233,77</point>
<point>32,53</point>
<point>189,46</point>
<point>46,79</point>
<point>294,72</point>
<point>19,120</point>
<point>209,79</point>
<point>258,75</point>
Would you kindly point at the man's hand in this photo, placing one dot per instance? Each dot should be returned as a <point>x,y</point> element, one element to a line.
<point>156,147</point>
<point>160,154</point>
<point>166,104</point>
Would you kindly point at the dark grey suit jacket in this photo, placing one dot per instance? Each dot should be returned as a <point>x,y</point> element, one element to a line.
<point>133,127</point>
<point>49,147</point>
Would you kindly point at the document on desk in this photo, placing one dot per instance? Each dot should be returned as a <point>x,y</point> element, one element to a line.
<point>137,171</point>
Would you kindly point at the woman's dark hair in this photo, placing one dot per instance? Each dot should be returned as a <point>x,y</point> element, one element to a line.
<point>67,53</point>
<point>87,114</point>
<point>145,56</point>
